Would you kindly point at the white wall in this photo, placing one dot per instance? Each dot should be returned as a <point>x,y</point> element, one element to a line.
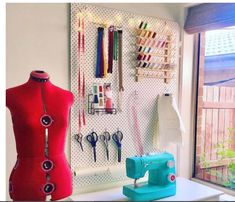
<point>38,38</point>
<point>162,10</point>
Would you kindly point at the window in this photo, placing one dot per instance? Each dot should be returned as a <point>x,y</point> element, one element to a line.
<point>215,121</point>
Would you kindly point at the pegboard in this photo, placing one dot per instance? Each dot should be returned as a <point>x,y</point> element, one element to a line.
<point>147,90</point>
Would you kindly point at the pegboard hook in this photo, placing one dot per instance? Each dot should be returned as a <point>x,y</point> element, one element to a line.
<point>166,89</point>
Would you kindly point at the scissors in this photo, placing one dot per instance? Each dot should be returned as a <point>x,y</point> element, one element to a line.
<point>79,137</point>
<point>92,139</point>
<point>117,138</point>
<point>105,137</point>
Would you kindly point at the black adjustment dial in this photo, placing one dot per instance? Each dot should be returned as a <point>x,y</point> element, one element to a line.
<point>47,165</point>
<point>48,188</point>
<point>46,120</point>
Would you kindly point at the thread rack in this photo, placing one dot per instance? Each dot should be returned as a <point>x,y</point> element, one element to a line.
<point>154,54</point>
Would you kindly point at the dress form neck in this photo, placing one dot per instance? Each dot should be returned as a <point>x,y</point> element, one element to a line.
<point>39,78</point>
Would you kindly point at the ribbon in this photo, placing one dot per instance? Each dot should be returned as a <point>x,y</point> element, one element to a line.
<point>120,76</point>
<point>79,78</point>
<point>121,88</point>
<point>79,94</point>
<point>83,103</point>
<point>83,64</point>
<point>110,49</point>
<point>115,35</point>
<point>141,24</point>
<point>137,130</point>
<point>99,48</point>
<point>104,56</point>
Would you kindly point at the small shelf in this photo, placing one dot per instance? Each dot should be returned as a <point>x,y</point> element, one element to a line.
<point>154,54</point>
<point>92,110</point>
<point>166,78</point>
<point>154,70</point>
<point>154,76</point>
<point>161,48</point>
<point>147,30</point>
<point>155,38</point>
<point>165,74</point>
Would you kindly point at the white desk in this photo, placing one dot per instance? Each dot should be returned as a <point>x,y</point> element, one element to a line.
<point>186,190</point>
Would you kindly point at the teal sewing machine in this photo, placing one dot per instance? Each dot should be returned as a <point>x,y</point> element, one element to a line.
<point>161,180</point>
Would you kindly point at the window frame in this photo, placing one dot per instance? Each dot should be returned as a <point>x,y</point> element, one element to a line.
<point>198,64</point>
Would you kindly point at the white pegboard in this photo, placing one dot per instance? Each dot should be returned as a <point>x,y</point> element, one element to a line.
<point>147,89</point>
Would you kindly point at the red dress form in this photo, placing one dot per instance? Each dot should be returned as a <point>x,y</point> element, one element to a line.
<point>30,177</point>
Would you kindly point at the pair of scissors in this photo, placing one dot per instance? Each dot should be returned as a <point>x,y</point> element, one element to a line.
<point>117,138</point>
<point>92,139</point>
<point>79,137</point>
<point>105,137</point>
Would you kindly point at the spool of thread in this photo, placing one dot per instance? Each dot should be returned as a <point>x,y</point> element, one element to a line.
<point>158,44</point>
<point>145,64</point>
<point>153,43</point>
<point>100,88</point>
<point>96,101</point>
<point>139,57</point>
<point>145,25</point>
<point>150,33</point>
<point>148,42</point>
<point>101,100</point>
<point>143,32</point>
<point>146,34</point>
<point>143,41</point>
<point>154,34</point>
<point>95,95</point>
<point>94,89</point>
<point>101,96</point>
<point>166,45</point>
<point>138,41</point>
<point>141,24</point>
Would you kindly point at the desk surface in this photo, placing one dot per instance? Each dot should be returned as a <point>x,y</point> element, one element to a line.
<point>186,190</point>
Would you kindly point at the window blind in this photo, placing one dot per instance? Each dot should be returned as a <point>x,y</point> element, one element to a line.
<point>209,16</point>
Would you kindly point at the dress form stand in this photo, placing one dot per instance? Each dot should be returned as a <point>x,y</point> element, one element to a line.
<point>40,112</point>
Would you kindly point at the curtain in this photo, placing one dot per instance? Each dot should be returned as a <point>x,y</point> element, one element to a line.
<point>209,16</point>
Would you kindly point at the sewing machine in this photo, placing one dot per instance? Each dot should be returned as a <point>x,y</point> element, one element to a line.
<point>161,179</point>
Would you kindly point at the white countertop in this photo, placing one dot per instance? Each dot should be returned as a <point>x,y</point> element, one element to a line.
<point>186,190</point>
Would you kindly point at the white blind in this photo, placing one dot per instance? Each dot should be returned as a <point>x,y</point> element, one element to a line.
<point>209,16</point>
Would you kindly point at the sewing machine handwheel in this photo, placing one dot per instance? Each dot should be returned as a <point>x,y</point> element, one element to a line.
<point>171,178</point>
